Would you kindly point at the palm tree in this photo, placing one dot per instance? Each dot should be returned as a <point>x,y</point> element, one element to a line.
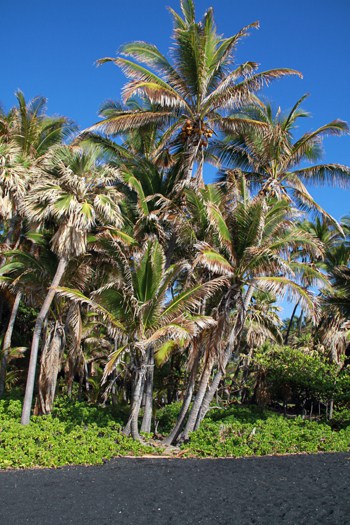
<point>28,126</point>
<point>135,303</point>
<point>15,174</point>
<point>191,94</point>
<point>76,194</point>
<point>333,329</point>
<point>277,163</point>
<point>25,275</point>
<point>26,134</point>
<point>252,248</point>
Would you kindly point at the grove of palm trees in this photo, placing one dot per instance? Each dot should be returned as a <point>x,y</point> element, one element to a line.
<point>142,299</point>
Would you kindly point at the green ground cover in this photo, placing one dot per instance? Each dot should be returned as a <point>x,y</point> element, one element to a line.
<point>79,433</point>
<point>76,433</point>
<point>248,431</point>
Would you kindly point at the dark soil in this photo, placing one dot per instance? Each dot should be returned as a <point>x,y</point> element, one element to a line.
<point>294,490</point>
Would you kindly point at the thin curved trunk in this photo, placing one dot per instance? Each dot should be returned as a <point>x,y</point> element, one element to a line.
<point>290,324</point>
<point>233,342</point>
<point>210,392</point>
<point>147,416</point>
<point>50,365</point>
<point>300,322</point>
<point>192,418</point>
<point>7,342</point>
<point>131,428</point>
<point>185,404</point>
<point>28,397</point>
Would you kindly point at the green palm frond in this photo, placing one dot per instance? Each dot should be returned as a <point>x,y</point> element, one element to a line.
<point>213,261</point>
<point>191,299</point>
<point>128,120</point>
<point>112,362</point>
<point>281,286</point>
<point>331,174</point>
<point>79,298</point>
<point>149,271</point>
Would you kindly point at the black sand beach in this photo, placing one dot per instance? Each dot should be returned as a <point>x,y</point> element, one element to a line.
<point>294,490</point>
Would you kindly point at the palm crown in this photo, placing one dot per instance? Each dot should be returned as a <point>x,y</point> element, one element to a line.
<point>76,192</point>
<point>191,94</point>
<point>279,164</point>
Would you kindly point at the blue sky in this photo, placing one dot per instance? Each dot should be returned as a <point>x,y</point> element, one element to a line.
<point>49,48</point>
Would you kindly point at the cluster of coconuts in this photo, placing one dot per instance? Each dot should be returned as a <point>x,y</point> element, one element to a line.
<point>191,129</point>
<point>273,193</point>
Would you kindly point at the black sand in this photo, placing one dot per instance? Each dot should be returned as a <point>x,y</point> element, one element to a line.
<point>294,490</point>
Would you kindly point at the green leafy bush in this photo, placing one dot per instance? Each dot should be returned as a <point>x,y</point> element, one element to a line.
<point>291,373</point>
<point>243,431</point>
<point>75,433</point>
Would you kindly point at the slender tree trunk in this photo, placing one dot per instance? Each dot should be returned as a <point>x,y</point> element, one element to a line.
<point>291,323</point>
<point>198,179</point>
<point>8,334</point>
<point>28,397</point>
<point>7,342</point>
<point>132,425</point>
<point>233,342</point>
<point>192,418</point>
<point>50,365</point>
<point>210,393</point>
<point>185,404</point>
<point>300,322</point>
<point>147,416</point>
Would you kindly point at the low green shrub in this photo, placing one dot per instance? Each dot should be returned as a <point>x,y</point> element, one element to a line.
<point>74,434</point>
<point>243,431</point>
<point>78,433</point>
<point>292,373</point>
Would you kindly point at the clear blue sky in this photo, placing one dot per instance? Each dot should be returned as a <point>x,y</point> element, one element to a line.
<point>49,48</point>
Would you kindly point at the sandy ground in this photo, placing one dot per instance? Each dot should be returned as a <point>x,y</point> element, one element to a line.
<point>294,490</point>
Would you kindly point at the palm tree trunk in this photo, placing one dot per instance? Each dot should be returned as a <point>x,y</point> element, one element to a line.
<point>7,342</point>
<point>50,365</point>
<point>185,404</point>
<point>147,417</point>
<point>191,154</point>
<point>210,393</point>
<point>132,425</point>
<point>300,322</point>
<point>28,397</point>
<point>203,384</point>
<point>199,174</point>
<point>233,343</point>
<point>291,323</point>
